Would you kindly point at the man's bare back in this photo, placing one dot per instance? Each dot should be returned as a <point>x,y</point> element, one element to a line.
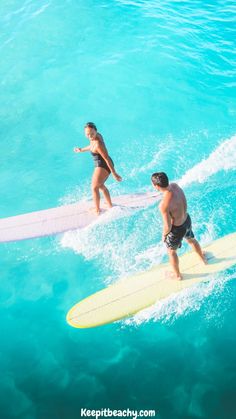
<point>177,204</point>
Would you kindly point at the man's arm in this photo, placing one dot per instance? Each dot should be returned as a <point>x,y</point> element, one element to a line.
<point>164,210</point>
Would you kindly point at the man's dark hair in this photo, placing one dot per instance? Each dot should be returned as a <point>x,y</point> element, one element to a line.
<point>90,125</point>
<point>160,179</point>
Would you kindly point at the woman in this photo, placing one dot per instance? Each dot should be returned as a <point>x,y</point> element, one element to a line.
<point>102,162</point>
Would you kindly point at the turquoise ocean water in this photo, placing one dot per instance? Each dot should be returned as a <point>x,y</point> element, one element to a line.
<point>159,80</point>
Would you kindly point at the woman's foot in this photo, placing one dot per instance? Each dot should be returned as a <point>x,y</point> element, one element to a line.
<point>108,205</point>
<point>96,211</point>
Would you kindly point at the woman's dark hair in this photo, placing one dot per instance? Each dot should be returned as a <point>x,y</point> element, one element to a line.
<point>90,125</point>
<point>160,179</point>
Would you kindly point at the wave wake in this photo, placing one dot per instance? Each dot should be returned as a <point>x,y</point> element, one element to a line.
<point>223,158</point>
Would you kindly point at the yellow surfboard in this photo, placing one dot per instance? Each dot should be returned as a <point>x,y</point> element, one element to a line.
<point>130,295</point>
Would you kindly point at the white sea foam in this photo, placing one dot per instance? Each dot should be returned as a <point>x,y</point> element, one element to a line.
<point>164,148</point>
<point>153,255</point>
<point>111,245</point>
<point>223,158</point>
<point>182,303</point>
<point>87,241</point>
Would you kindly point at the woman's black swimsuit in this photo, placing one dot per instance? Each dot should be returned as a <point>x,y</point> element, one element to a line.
<point>173,239</point>
<point>100,162</point>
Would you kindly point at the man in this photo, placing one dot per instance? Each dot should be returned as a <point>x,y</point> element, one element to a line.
<point>176,221</point>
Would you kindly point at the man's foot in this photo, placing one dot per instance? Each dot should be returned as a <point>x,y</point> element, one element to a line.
<point>204,258</point>
<point>172,275</point>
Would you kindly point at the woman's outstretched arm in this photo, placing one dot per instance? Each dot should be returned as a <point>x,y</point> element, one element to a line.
<point>81,150</point>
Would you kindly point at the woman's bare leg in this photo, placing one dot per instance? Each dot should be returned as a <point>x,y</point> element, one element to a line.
<point>100,175</point>
<point>106,194</point>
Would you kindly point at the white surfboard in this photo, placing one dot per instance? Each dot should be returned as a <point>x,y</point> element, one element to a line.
<point>130,295</point>
<point>64,218</point>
